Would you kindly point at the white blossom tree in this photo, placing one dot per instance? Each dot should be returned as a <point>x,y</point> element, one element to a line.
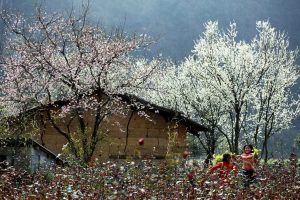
<point>250,83</point>
<point>240,90</point>
<point>58,58</point>
<point>274,106</point>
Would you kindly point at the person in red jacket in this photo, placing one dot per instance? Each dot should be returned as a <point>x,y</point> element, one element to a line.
<point>225,167</point>
<point>249,161</point>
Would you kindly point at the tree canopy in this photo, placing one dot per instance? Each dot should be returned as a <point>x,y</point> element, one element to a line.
<point>240,90</point>
<point>51,58</point>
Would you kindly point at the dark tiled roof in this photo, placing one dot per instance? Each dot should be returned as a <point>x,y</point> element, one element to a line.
<point>169,114</point>
<point>135,103</point>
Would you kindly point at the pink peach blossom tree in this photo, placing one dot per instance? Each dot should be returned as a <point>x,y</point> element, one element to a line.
<point>56,58</point>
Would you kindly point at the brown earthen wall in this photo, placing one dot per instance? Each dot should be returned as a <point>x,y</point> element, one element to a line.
<point>154,132</point>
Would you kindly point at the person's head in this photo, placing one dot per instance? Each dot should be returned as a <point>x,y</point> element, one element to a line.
<point>226,157</point>
<point>248,148</point>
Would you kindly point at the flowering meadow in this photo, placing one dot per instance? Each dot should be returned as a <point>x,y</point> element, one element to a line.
<point>148,179</point>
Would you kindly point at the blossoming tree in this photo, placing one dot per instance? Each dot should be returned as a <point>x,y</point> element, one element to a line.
<point>250,83</point>
<point>240,90</point>
<point>54,58</point>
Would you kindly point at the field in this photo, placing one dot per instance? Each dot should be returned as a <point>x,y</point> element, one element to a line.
<point>148,179</point>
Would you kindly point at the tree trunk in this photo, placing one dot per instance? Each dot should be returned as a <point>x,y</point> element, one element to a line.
<point>265,149</point>
<point>236,131</point>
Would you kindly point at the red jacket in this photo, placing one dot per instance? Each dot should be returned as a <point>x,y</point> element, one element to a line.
<point>225,169</point>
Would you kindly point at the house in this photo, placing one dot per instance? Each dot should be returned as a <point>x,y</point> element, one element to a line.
<point>163,131</point>
<point>26,154</point>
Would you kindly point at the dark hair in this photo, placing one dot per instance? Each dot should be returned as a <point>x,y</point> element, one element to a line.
<point>226,157</point>
<point>248,145</point>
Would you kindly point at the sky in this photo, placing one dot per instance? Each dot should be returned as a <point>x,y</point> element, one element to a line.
<point>179,23</point>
